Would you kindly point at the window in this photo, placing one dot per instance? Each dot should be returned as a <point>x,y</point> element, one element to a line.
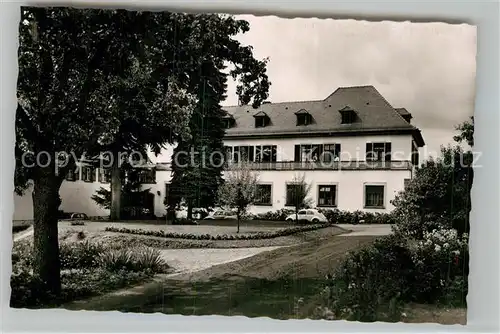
<point>104,175</point>
<point>348,115</point>
<point>378,151</point>
<point>304,119</point>
<point>302,212</point>
<point>167,194</point>
<point>228,152</point>
<point>147,176</point>
<point>88,174</point>
<point>414,154</point>
<point>267,153</point>
<point>331,152</point>
<point>226,123</point>
<point>327,195</point>
<point>263,194</point>
<point>73,175</point>
<point>374,196</point>
<point>261,119</point>
<point>293,192</point>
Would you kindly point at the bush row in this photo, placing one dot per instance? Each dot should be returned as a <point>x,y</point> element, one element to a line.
<point>254,236</point>
<point>334,216</point>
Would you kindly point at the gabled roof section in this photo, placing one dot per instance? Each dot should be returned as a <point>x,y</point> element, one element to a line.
<point>302,112</point>
<point>373,112</point>
<point>346,108</point>
<point>260,114</point>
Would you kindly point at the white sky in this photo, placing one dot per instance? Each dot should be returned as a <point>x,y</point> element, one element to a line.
<point>427,68</point>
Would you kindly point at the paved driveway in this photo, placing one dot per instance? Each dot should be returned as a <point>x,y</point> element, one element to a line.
<point>368,230</point>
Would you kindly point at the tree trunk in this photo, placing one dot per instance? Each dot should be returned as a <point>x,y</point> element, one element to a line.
<point>116,190</point>
<point>190,210</point>
<point>46,201</point>
<point>238,222</point>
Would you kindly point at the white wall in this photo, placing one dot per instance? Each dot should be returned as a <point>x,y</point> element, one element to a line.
<point>76,195</point>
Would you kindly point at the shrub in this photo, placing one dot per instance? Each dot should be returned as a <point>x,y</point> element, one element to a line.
<point>138,260</point>
<point>336,216</point>
<point>184,221</point>
<point>371,281</point>
<point>79,255</point>
<point>77,223</point>
<point>149,259</point>
<point>438,260</point>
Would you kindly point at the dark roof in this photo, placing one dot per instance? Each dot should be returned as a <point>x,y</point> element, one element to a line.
<point>403,112</point>
<point>373,111</point>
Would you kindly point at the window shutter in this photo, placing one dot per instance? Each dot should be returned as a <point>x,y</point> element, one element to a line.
<point>297,153</point>
<point>369,151</point>
<point>273,153</point>
<point>388,147</point>
<point>337,150</point>
<point>250,153</point>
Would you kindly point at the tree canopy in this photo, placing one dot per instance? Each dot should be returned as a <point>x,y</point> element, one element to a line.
<point>90,78</point>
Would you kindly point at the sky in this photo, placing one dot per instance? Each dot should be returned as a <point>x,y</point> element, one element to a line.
<point>427,68</point>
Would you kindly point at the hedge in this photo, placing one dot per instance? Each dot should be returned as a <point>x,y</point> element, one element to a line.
<point>255,236</point>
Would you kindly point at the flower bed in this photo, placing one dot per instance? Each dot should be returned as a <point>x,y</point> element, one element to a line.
<point>255,236</point>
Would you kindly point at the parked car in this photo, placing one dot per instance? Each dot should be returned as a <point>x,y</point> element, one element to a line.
<point>220,214</point>
<point>198,213</point>
<point>310,215</point>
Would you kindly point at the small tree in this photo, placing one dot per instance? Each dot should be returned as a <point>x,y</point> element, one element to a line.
<point>299,193</point>
<point>238,191</point>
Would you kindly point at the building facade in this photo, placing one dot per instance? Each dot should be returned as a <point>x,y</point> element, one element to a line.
<point>353,148</point>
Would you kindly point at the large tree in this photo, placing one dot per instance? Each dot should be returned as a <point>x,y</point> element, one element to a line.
<point>74,65</point>
<point>197,177</point>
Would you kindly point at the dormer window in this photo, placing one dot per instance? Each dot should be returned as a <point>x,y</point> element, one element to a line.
<point>261,119</point>
<point>228,121</point>
<point>348,115</point>
<point>303,117</point>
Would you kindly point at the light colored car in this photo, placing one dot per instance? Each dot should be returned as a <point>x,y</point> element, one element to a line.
<point>198,213</point>
<point>220,214</point>
<point>310,215</point>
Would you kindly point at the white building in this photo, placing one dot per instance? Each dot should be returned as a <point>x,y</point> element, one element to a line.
<point>355,149</point>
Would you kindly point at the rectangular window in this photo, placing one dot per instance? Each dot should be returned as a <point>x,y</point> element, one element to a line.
<point>243,153</point>
<point>267,153</point>
<point>167,193</point>
<point>374,196</point>
<point>104,175</point>
<point>327,195</point>
<point>331,152</point>
<point>88,174</point>
<point>263,194</point>
<point>71,175</point>
<point>147,176</point>
<point>304,119</point>
<point>378,151</point>
<point>261,121</point>
<point>414,154</point>
<point>348,117</point>
<point>293,192</point>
